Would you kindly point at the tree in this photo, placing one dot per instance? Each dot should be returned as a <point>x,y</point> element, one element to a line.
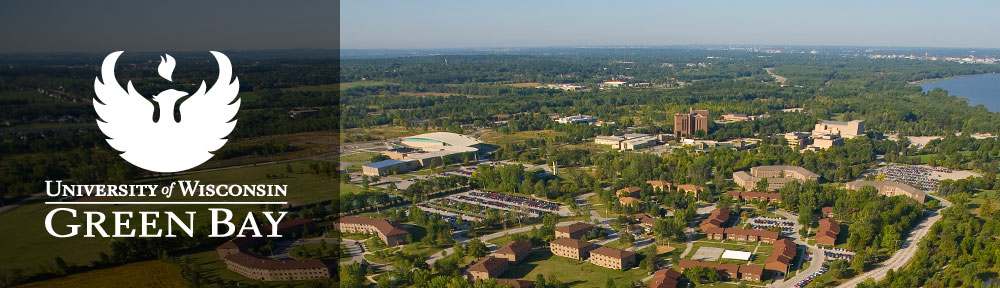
<point>476,248</point>
<point>761,185</point>
<point>725,201</point>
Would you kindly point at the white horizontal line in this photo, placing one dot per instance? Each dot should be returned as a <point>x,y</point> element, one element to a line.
<point>163,203</point>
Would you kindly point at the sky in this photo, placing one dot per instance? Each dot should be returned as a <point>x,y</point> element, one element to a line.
<point>187,25</point>
<point>492,24</point>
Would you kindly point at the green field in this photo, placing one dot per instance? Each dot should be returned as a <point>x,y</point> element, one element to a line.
<point>977,201</point>
<point>358,157</point>
<point>574,273</point>
<point>154,273</point>
<point>34,247</point>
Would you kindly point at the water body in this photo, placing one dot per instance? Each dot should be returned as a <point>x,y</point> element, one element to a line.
<point>979,89</point>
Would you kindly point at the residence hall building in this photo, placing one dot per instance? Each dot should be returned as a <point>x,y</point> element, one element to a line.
<point>613,258</point>
<point>660,185</point>
<point>488,268</point>
<point>391,233</point>
<point>571,248</point>
<point>781,258</point>
<point>828,231</point>
<point>749,196</point>
<point>713,229</point>
<point>235,253</point>
<point>573,231</point>
<point>666,278</point>
<point>690,188</point>
<point>728,271</point>
<point>685,124</point>
<point>631,191</point>
<point>514,251</point>
<point>776,176</point>
<point>890,188</point>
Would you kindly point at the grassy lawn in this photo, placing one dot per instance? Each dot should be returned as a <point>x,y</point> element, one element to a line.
<point>349,189</point>
<point>358,157</point>
<point>313,250</point>
<point>503,240</point>
<point>153,273</point>
<point>616,244</point>
<point>979,198</point>
<point>574,273</point>
<point>34,247</point>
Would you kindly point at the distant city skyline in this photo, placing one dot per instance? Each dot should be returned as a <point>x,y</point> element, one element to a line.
<point>461,24</point>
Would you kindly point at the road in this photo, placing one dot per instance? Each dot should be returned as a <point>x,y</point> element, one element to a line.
<point>814,265</point>
<point>904,254</point>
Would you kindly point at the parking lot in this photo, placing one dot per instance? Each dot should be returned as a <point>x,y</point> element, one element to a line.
<point>787,226</point>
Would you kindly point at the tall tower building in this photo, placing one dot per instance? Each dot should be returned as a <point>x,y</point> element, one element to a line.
<point>685,124</point>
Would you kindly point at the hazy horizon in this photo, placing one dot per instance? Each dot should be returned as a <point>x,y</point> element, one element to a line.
<point>515,24</point>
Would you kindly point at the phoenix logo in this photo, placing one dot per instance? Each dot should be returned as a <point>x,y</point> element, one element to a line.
<point>166,144</point>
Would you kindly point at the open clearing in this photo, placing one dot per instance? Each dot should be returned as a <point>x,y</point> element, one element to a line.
<point>153,273</point>
<point>574,273</point>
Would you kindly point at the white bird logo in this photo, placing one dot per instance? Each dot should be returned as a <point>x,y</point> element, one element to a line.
<point>166,145</point>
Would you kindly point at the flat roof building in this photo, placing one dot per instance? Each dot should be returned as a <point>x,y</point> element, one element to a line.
<point>686,124</point>
<point>388,167</point>
<point>890,188</point>
<point>849,129</point>
<point>777,176</point>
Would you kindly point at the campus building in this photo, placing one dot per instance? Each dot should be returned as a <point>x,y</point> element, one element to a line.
<point>488,268</point>
<point>388,167</point>
<point>847,130</point>
<point>238,258</point>
<point>571,248</point>
<point>890,188</point>
<point>776,175</point>
<point>514,251</point>
<point>613,141</point>
<point>755,196</point>
<point>781,257</point>
<point>435,148</point>
<point>713,229</point>
<point>685,124</point>
<point>690,188</point>
<point>631,191</point>
<point>828,231</point>
<point>660,185</point>
<point>613,258</point>
<point>391,233</point>
<point>264,269</point>
<point>666,278</point>
<point>573,231</point>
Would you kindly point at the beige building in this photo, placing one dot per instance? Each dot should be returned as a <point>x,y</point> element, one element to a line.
<point>391,233</point>
<point>847,130</point>
<point>776,176</point>
<point>631,191</point>
<point>690,188</point>
<point>890,188</point>
<point>514,251</point>
<point>264,269</point>
<point>571,248</point>
<point>613,258</point>
<point>613,141</point>
<point>661,185</point>
<point>638,143</point>
<point>573,231</point>
<point>797,140</point>
<point>488,268</point>
<point>825,142</point>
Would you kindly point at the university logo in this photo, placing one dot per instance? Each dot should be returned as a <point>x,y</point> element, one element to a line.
<point>166,144</point>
